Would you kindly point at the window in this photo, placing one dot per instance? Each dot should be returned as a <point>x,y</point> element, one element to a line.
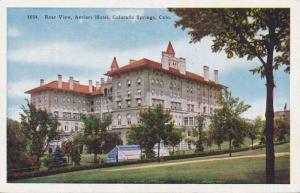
<point>204,109</point>
<point>128,119</point>
<point>211,110</point>
<point>128,103</point>
<point>139,81</point>
<point>191,121</point>
<point>119,84</point>
<point>139,101</point>
<point>128,83</point>
<point>128,93</point>
<point>55,114</point>
<point>138,118</point>
<point>119,119</point>
<point>139,92</point>
<point>186,121</point>
<point>119,105</point>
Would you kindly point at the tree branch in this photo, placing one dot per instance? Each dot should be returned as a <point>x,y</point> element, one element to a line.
<point>239,33</point>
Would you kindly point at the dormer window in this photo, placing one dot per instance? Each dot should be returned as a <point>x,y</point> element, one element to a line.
<point>139,81</point>
<point>119,84</point>
<point>128,83</point>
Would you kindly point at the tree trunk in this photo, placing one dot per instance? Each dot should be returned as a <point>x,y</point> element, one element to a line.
<point>173,150</point>
<point>270,157</point>
<point>95,157</point>
<point>158,149</point>
<point>252,143</point>
<point>229,147</point>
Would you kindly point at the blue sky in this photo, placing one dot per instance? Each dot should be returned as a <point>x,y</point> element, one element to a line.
<point>84,49</point>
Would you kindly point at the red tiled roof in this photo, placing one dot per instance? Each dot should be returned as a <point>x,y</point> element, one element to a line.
<point>145,63</point>
<point>170,49</point>
<point>78,88</point>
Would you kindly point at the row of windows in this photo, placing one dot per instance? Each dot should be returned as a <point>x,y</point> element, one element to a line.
<point>128,118</point>
<point>129,83</point>
<point>67,115</point>
<point>139,102</point>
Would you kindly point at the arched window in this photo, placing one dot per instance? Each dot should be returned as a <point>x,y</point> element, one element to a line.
<point>128,119</point>
<point>119,119</point>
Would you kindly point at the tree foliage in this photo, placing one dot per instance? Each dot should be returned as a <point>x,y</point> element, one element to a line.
<point>16,144</point>
<point>95,131</point>
<point>174,138</point>
<point>155,128</point>
<point>199,133</point>
<point>281,129</point>
<point>110,141</point>
<point>226,121</point>
<point>39,127</point>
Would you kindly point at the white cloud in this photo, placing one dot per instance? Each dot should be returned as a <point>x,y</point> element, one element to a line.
<point>125,12</point>
<point>64,53</point>
<point>13,32</point>
<point>17,89</point>
<point>258,108</point>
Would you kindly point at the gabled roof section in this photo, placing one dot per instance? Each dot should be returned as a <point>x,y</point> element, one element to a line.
<point>114,64</point>
<point>170,49</point>
<point>78,88</point>
<point>146,63</point>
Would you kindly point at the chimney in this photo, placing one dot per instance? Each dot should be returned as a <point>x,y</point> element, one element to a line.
<point>97,85</point>
<point>102,80</point>
<point>71,83</point>
<point>206,73</point>
<point>216,76</point>
<point>41,82</point>
<point>59,80</point>
<point>90,86</point>
<point>131,61</point>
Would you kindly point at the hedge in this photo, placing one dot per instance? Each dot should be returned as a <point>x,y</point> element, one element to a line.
<point>23,175</point>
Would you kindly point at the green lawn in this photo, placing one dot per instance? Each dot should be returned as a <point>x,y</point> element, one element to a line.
<point>245,170</point>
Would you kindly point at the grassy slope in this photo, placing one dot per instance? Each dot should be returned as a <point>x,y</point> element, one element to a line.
<point>250,170</point>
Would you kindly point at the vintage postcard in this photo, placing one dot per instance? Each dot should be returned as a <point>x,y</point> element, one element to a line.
<point>166,97</point>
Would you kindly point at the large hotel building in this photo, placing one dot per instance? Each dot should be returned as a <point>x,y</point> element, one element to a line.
<point>129,89</point>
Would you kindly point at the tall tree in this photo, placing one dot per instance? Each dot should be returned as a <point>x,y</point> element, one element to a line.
<point>252,131</point>
<point>252,33</point>
<point>155,127</point>
<point>16,144</point>
<point>39,128</point>
<point>159,123</point>
<point>199,134</point>
<point>227,118</point>
<point>95,130</point>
